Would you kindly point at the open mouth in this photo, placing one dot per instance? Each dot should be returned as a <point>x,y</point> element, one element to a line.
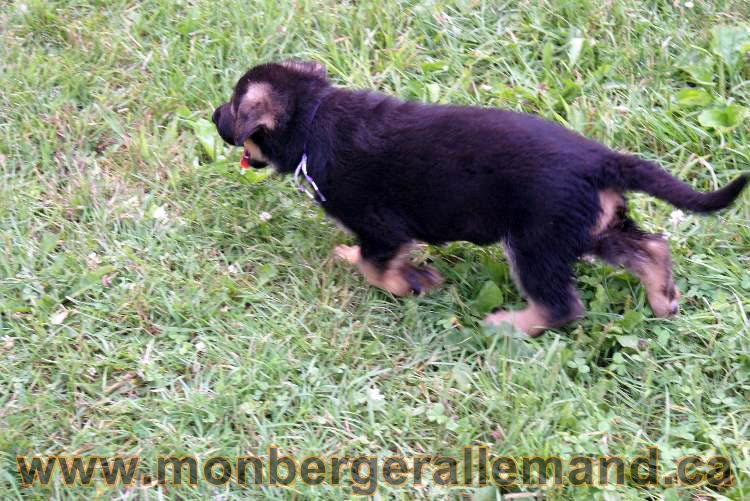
<point>247,161</point>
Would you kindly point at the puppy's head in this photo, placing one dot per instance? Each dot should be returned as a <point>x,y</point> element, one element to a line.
<point>264,100</point>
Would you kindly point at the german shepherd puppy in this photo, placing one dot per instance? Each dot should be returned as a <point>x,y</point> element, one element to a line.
<point>395,172</point>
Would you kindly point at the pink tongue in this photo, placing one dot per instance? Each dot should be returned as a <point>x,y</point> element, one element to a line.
<point>245,162</point>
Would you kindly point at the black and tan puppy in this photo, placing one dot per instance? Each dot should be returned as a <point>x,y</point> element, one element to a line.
<point>395,172</point>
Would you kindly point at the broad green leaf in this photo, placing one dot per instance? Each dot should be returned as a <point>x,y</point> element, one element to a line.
<point>489,297</point>
<point>699,66</point>
<point>207,136</point>
<point>266,272</point>
<point>693,97</point>
<point>462,376</point>
<point>496,270</point>
<point>600,301</point>
<point>255,176</point>
<point>728,42</point>
<point>433,66</point>
<point>628,341</point>
<point>183,112</point>
<point>630,319</point>
<point>244,176</point>
<point>90,280</point>
<point>570,90</point>
<point>436,414</point>
<point>722,118</point>
<point>601,72</point>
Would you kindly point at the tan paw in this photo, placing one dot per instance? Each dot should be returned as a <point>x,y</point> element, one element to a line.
<point>348,253</point>
<point>529,320</point>
<point>499,317</point>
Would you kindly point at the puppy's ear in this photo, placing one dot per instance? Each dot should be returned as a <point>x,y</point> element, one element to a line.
<point>312,68</point>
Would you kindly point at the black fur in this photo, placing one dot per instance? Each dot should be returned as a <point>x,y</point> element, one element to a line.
<point>395,171</point>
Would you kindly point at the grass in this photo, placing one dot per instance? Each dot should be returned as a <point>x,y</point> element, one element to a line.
<point>147,308</point>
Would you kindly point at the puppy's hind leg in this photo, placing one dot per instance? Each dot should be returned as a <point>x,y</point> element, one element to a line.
<point>389,268</point>
<point>647,256</point>
<point>546,279</point>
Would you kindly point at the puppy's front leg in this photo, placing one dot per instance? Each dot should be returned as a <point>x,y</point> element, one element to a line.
<point>394,273</point>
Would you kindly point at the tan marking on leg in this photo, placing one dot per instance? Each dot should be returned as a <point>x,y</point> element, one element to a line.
<point>349,253</point>
<point>535,318</point>
<point>391,277</point>
<point>654,269</point>
<point>610,202</point>
<point>532,320</point>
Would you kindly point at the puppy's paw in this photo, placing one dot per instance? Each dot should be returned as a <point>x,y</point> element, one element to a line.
<point>348,253</point>
<point>529,320</point>
<point>498,318</point>
<point>421,279</point>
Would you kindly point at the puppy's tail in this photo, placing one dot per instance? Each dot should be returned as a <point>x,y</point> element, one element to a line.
<point>637,174</point>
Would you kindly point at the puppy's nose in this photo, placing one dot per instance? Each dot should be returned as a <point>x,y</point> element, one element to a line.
<point>215,117</point>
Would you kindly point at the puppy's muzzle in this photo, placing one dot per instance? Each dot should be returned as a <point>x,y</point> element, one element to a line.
<point>224,122</point>
<point>223,118</point>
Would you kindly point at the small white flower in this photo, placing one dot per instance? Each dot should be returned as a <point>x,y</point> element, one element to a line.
<point>265,217</point>
<point>375,398</point>
<point>160,213</point>
<point>233,269</point>
<point>200,346</point>
<point>689,4</point>
<point>676,217</point>
<point>132,202</point>
<point>93,260</point>
<point>59,317</point>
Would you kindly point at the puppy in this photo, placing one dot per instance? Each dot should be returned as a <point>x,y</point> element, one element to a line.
<point>395,172</point>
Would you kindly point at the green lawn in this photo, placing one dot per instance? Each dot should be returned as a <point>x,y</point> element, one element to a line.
<point>148,306</point>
